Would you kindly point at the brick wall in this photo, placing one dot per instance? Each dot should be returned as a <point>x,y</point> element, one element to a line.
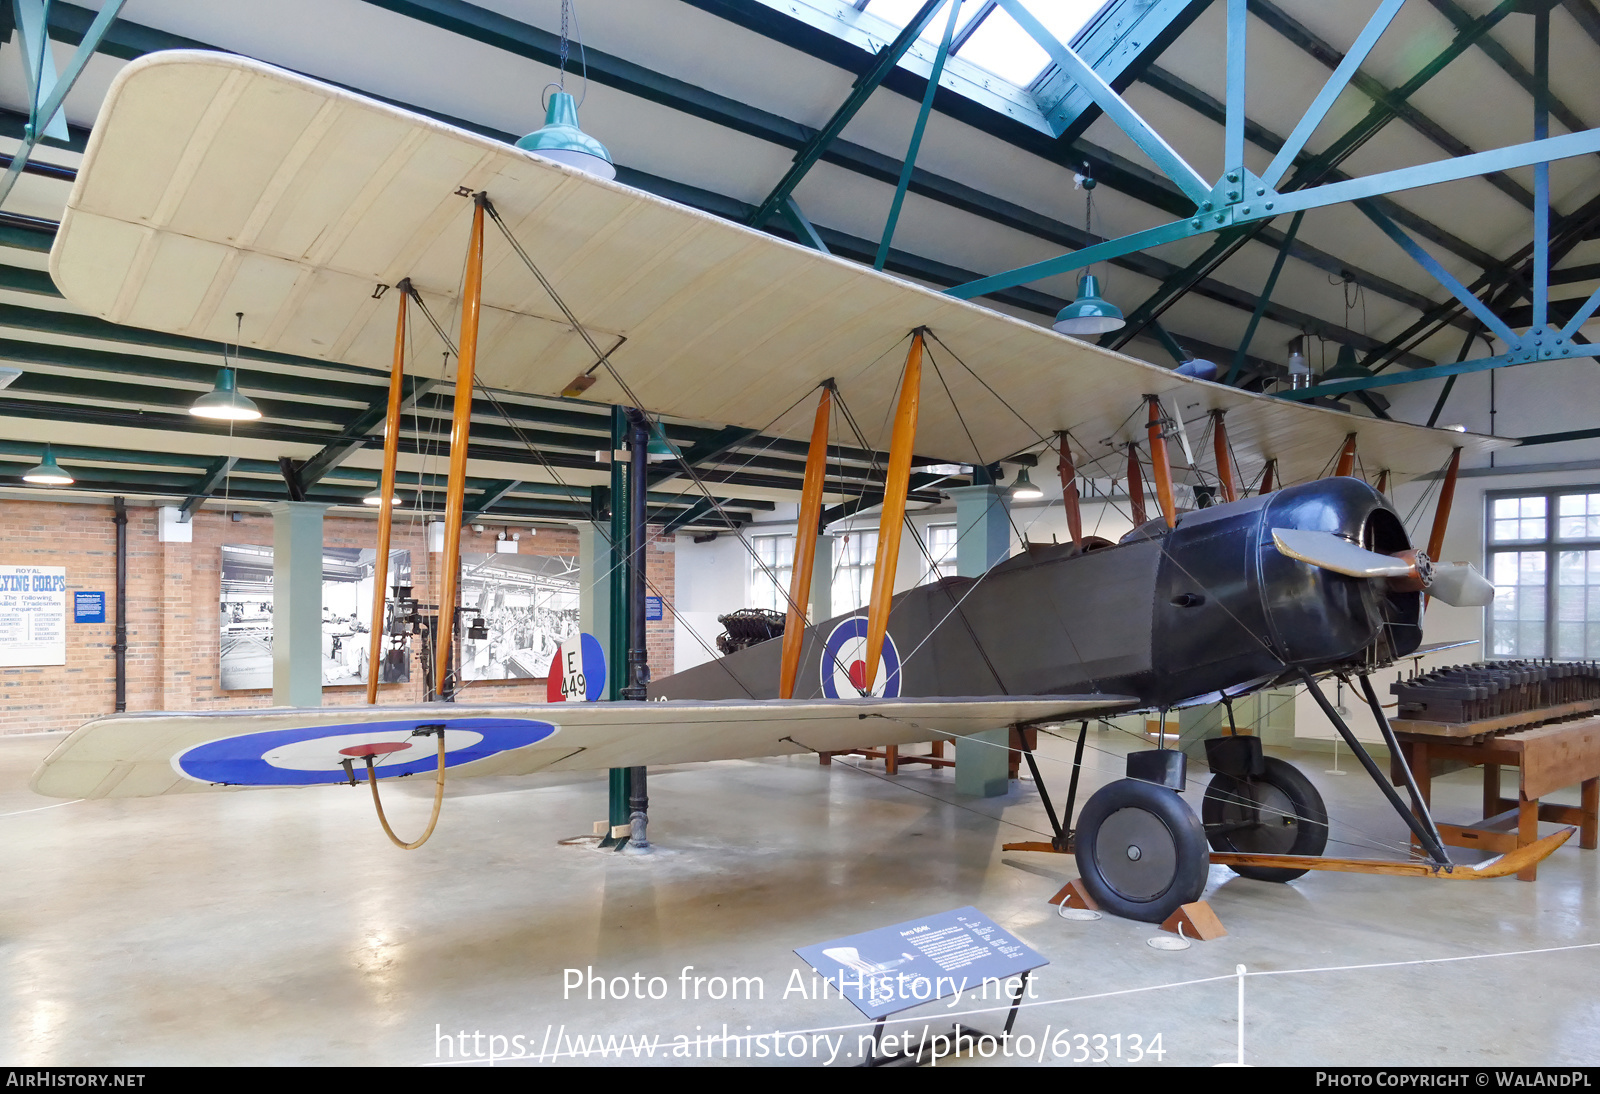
<point>173,592</point>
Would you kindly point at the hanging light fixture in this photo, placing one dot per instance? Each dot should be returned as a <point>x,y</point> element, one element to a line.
<point>1089,312</point>
<point>225,402</point>
<point>1022,489</point>
<point>1299,368</point>
<point>47,472</point>
<point>376,498</point>
<point>560,138</point>
<point>659,449</point>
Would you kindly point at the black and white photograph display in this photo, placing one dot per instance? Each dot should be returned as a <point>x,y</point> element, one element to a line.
<point>245,649</point>
<point>527,604</point>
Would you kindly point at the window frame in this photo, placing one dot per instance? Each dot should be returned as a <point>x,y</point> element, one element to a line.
<point>781,574</point>
<point>1550,545</point>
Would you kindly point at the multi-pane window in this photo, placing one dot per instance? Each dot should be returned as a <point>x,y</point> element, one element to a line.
<point>1533,538</point>
<point>852,572</point>
<point>942,549</point>
<point>770,572</point>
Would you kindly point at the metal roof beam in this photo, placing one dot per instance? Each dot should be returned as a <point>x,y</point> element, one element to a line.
<point>214,477</point>
<point>1230,240</point>
<point>1314,46</point>
<point>1509,65</point>
<point>352,438</point>
<point>866,83</point>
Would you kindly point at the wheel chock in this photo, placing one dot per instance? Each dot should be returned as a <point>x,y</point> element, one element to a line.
<point>1074,895</point>
<point>1197,920</point>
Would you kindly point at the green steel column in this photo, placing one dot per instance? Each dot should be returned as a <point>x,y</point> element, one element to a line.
<point>617,644</point>
<point>297,603</point>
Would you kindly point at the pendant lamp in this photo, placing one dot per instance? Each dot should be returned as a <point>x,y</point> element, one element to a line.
<point>225,402</point>
<point>48,472</point>
<point>561,140</point>
<point>1022,489</point>
<point>1089,313</point>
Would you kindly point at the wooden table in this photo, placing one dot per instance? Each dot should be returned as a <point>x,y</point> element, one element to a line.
<point>1546,757</point>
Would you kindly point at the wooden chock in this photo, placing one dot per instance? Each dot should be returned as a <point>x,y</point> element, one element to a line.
<point>1074,895</point>
<point>1198,921</point>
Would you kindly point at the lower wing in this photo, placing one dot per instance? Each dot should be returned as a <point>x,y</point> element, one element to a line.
<point>144,755</point>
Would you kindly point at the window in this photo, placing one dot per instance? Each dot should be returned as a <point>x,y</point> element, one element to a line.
<point>770,572</point>
<point>852,573</point>
<point>942,547</point>
<point>1532,615</point>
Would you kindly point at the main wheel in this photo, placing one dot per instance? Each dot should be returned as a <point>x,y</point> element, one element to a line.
<point>1141,851</point>
<point>1277,813</point>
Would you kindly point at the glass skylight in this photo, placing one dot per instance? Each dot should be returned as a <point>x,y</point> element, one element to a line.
<point>995,42</point>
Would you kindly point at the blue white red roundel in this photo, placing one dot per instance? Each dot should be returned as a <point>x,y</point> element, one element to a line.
<point>316,754</point>
<point>578,672</point>
<point>844,666</point>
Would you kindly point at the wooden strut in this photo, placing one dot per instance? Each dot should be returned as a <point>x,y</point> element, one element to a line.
<point>1069,490</point>
<point>1135,487</point>
<point>1347,458</point>
<point>391,449</point>
<point>805,546</point>
<point>897,481</point>
<point>1501,866</point>
<point>1219,446</point>
<point>1441,513</point>
<point>460,427</point>
<point>1382,486</point>
<point>1160,469</point>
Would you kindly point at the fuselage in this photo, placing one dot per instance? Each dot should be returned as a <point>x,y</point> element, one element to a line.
<point>1172,616</point>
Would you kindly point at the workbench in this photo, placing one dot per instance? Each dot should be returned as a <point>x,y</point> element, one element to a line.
<point>1547,757</point>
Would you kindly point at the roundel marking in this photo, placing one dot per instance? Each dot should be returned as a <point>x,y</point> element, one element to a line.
<point>316,754</point>
<point>844,668</point>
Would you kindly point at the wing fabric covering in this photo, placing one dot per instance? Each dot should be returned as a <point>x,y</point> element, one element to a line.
<point>136,755</point>
<point>214,184</point>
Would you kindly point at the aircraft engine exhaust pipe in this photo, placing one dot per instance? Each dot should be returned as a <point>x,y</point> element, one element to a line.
<point>1458,584</point>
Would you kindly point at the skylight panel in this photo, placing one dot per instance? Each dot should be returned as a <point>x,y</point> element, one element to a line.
<point>901,12</point>
<point>1002,47</point>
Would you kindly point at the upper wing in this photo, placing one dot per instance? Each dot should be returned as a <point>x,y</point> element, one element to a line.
<point>213,185</point>
<point>142,755</point>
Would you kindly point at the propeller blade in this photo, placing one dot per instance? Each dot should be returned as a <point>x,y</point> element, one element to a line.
<point>1338,554</point>
<point>1460,585</point>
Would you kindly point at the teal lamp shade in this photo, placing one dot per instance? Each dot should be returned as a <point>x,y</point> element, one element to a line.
<point>561,140</point>
<point>48,472</point>
<point>1023,489</point>
<point>659,449</point>
<point>1089,313</point>
<point>226,402</point>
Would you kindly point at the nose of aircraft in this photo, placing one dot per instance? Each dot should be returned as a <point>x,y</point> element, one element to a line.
<point>1455,583</point>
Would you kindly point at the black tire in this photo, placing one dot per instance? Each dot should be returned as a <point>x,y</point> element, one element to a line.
<point>1277,813</point>
<point>1141,850</point>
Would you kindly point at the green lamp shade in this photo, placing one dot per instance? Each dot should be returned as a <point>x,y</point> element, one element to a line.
<point>659,449</point>
<point>226,402</point>
<point>1089,313</point>
<point>1023,489</point>
<point>48,472</point>
<point>561,140</point>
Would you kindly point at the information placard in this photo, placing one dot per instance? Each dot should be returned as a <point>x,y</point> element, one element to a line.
<point>33,615</point>
<point>88,607</point>
<point>894,968</point>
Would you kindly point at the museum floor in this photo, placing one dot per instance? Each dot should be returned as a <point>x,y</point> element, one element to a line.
<point>281,927</point>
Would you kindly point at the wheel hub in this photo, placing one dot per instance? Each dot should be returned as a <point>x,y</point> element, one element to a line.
<point>1137,854</point>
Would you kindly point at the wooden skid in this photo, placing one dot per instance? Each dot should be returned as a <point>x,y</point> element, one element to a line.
<point>1501,866</point>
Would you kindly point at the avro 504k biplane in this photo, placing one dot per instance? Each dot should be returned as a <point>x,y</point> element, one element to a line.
<point>214,185</point>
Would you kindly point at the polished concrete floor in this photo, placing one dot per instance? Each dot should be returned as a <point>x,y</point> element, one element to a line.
<point>281,926</point>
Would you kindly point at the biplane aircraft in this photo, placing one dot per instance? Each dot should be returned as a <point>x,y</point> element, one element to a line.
<point>214,185</point>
